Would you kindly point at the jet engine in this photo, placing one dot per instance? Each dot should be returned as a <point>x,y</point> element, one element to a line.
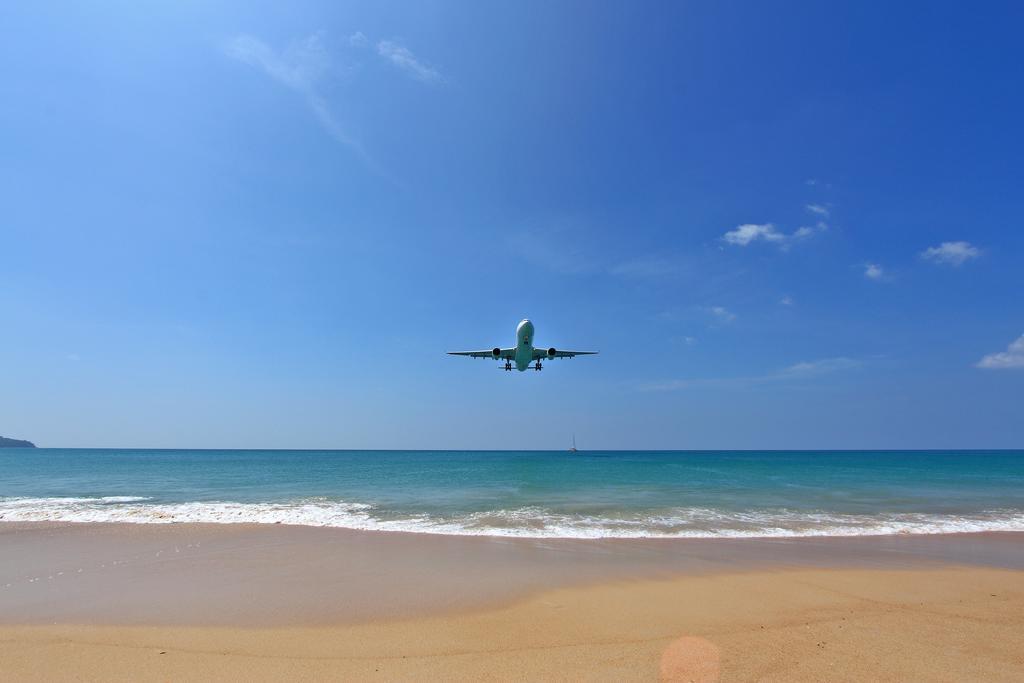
<point>496,352</point>
<point>551,352</point>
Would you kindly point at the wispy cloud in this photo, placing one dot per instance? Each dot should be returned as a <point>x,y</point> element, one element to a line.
<point>300,68</point>
<point>796,372</point>
<point>806,231</point>
<point>951,253</point>
<point>787,301</point>
<point>752,232</point>
<point>404,59</point>
<point>822,366</point>
<point>748,233</point>
<point>722,314</point>
<point>563,245</point>
<point>873,271</point>
<point>673,384</point>
<point>401,57</point>
<point>1012,357</point>
<point>560,247</point>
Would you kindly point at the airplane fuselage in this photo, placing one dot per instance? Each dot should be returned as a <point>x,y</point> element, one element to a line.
<point>524,352</point>
<point>524,345</point>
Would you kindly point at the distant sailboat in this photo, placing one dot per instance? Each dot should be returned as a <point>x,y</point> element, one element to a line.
<point>573,449</point>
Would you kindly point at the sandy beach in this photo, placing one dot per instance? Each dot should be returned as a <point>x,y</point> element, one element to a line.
<point>234,602</point>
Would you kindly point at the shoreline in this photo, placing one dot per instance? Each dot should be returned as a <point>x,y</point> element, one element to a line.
<point>280,575</point>
<point>48,525</point>
<point>696,523</point>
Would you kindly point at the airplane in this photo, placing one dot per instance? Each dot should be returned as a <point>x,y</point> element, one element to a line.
<point>523,353</point>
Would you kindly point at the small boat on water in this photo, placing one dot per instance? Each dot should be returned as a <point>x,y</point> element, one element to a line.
<point>573,449</point>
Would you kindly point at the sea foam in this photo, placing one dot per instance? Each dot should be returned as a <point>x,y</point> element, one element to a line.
<point>526,522</point>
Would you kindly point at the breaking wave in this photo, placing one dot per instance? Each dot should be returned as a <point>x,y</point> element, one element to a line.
<point>526,522</point>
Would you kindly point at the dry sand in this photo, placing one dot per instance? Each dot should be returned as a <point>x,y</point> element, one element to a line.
<point>855,609</point>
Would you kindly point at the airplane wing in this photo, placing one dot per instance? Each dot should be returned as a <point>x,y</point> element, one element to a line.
<point>504,354</point>
<point>543,353</point>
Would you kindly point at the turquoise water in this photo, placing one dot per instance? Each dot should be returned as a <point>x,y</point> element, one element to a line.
<point>536,494</point>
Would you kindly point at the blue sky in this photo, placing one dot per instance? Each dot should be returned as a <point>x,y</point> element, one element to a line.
<point>784,225</point>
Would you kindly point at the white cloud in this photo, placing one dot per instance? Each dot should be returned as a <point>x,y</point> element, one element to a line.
<point>786,301</point>
<point>951,253</point>
<point>804,232</point>
<point>873,271</point>
<point>722,314</point>
<point>748,233</point>
<point>358,39</point>
<point>404,59</point>
<point>1012,357</point>
<point>299,68</point>
<point>816,367</point>
<point>751,232</point>
<point>799,371</point>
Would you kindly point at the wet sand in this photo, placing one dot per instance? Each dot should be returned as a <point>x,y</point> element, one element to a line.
<point>232,602</point>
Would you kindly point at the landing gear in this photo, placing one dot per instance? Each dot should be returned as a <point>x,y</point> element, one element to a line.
<point>537,366</point>
<point>508,366</point>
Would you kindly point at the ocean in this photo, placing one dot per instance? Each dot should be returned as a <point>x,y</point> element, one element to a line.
<point>593,494</point>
